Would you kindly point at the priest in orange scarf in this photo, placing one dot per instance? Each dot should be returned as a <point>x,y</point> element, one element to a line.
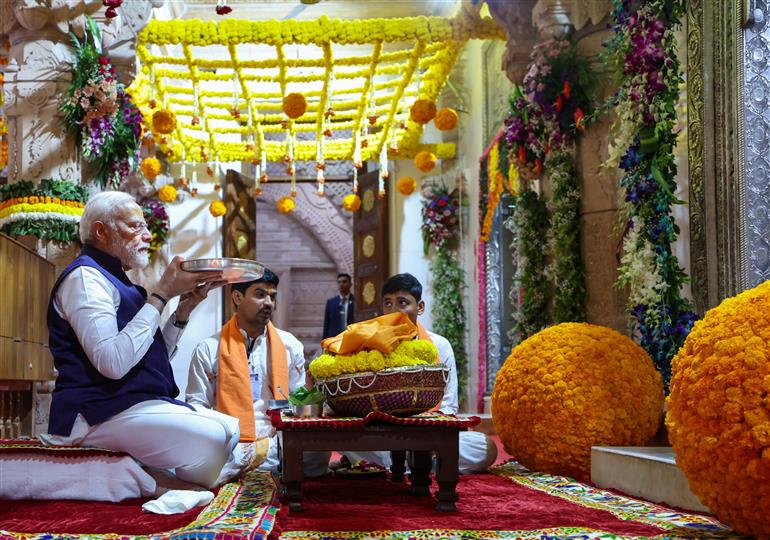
<point>240,369</point>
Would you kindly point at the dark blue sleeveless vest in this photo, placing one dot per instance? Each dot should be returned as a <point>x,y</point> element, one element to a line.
<point>80,388</point>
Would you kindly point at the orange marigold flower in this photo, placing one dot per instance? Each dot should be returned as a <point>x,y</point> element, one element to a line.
<point>217,208</point>
<point>294,105</point>
<point>167,193</point>
<point>719,413</point>
<point>150,167</point>
<point>351,202</point>
<point>570,387</point>
<point>425,161</point>
<point>406,185</point>
<point>446,119</point>
<point>285,205</point>
<point>422,111</point>
<point>163,122</point>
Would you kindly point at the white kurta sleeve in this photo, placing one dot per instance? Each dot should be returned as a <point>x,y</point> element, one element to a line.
<point>171,335</point>
<point>296,359</point>
<point>202,376</point>
<point>449,404</point>
<point>88,301</point>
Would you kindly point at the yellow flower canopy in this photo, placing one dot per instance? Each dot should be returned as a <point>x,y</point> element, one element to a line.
<point>226,82</point>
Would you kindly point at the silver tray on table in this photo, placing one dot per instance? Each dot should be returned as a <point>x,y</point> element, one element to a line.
<point>233,270</point>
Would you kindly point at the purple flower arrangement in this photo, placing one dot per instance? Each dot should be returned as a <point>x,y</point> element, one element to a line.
<point>156,216</point>
<point>99,112</point>
<point>440,218</point>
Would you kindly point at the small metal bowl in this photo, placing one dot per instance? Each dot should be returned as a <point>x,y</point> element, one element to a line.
<point>278,404</point>
<point>308,411</point>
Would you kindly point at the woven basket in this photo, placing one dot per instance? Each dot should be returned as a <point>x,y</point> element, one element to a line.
<point>398,391</point>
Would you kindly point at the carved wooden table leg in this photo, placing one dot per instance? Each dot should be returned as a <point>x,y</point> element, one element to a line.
<point>291,472</point>
<point>447,473</point>
<point>397,466</point>
<point>420,476</point>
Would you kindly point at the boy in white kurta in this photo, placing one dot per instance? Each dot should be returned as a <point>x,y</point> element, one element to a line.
<point>254,302</point>
<point>403,292</point>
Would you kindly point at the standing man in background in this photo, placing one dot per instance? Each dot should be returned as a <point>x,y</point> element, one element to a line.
<point>339,309</point>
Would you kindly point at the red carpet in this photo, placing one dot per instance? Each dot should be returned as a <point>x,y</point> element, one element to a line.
<point>88,517</point>
<point>487,501</point>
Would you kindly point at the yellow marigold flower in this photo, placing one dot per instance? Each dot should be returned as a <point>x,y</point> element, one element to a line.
<point>285,205</point>
<point>294,105</point>
<point>408,353</point>
<point>217,208</point>
<point>570,387</point>
<point>167,193</point>
<point>422,111</point>
<point>719,413</point>
<point>351,202</point>
<point>163,122</point>
<point>425,161</point>
<point>150,167</point>
<point>406,185</point>
<point>446,119</point>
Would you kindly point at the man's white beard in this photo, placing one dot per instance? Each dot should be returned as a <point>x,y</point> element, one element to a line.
<point>130,256</point>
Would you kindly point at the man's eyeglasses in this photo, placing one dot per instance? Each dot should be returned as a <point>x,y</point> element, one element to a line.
<point>137,227</point>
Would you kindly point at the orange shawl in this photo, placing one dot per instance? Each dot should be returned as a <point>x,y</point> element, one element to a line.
<point>233,381</point>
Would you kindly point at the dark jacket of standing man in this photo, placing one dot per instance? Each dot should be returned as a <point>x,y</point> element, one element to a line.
<point>339,309</point>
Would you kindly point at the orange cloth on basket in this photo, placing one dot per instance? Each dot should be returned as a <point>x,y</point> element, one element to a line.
<point>233,381</point>
<point>382,333</point>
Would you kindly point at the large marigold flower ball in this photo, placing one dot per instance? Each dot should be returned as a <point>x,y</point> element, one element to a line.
<point>570,387</point>
<point>425,161</point>
<point>163,122</point>
<point>294,105</point>
<point>446,119</point>
<point>719,410</point>
<point>351,202</point>
<point>422,111</point>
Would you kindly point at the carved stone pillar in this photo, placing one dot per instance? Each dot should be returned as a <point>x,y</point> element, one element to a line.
<point>38,75</point>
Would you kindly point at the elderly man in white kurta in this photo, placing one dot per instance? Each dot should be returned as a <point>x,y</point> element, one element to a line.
<point>403,292</point>
<point>242,368</point>
<point>115,387</point>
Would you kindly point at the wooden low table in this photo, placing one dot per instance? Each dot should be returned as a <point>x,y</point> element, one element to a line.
<point>422,435</point>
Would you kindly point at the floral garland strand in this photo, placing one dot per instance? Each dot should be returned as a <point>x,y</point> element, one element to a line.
<point>441,229</point>
<point>99,112</point>
<point>644,49</point>
<point>567,271</point>
<point>546,117</point>
<point>532,222</point>
<point>50,210</point>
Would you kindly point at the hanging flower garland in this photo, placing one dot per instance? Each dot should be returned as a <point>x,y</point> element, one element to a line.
<point>441,229</point>
<point>643,140</point>
<point>532,224</point>
<point>547,115</point>
<point>98,111</point>
<point>50,210</point>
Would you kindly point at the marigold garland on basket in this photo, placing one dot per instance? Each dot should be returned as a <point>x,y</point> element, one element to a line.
<point>50,210</point>
<point>570,387</point>
<point>408,353</point>
<point>98,111</point>
<point>643,140</point>
<point>719,414</point>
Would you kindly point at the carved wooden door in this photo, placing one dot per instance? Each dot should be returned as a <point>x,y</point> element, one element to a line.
<point>239,235</point>
<point>370,248</point>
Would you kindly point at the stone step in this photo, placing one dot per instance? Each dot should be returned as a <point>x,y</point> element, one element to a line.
<point>647,472</point>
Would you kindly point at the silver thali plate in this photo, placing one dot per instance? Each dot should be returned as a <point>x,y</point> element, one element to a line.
<point>233,270</point>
